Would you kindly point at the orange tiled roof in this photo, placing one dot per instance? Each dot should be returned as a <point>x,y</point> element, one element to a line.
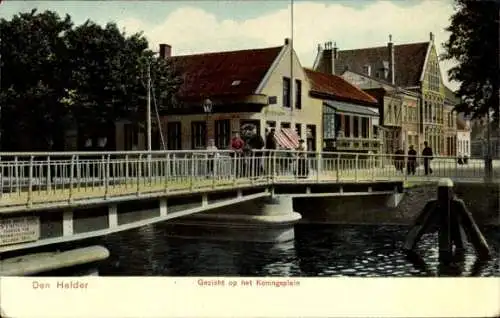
<point>223,74</point>
<point>337,87</point>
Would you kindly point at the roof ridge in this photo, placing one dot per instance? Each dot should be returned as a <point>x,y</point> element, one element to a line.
<point>232,51</point>
<point>382,47</point>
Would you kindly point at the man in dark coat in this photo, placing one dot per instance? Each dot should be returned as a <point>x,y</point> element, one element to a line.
<point>412,161</point>
<point>428,156</point>
<point>399,160</point>
<point>256,143</point>
<point>271,146</point>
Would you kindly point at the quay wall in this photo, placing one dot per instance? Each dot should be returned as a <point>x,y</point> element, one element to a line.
<point>482,201</point>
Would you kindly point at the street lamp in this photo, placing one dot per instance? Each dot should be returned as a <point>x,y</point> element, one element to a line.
<point>207,108</point>
<point>488,167</point>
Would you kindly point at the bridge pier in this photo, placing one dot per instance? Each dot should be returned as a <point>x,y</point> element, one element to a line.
<point>267,220</point>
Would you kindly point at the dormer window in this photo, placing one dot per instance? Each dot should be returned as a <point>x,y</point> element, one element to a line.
<point>367,69</point>
<point>386,68</point>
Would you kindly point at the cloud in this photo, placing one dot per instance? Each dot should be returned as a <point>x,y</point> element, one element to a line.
<point>193,30</point>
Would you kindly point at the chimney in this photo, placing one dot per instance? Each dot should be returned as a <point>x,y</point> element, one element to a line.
<point>431,37</point>
<point>390,47</point>
<point>165,51</point>
<point>329,55</point>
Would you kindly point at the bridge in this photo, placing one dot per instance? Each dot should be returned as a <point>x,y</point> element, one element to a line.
<point>49,198</point>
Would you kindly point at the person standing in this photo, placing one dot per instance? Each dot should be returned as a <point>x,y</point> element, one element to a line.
<point>399,160</point>
<point>412,161</point>
<point>237,145</point>
<point>301,161</point>
<point>256,143</point>
<point>428,156</point>
<point>211,157</point>
<point>271,151</point>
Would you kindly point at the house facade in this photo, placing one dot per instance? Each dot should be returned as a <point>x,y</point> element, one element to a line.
<point>350,116</point>
<point>263,87</point>
<point>413,67</point>
<point>398,108</point>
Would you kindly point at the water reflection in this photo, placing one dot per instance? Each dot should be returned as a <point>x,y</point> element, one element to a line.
<point>456,268</point>
<point>327,250</point>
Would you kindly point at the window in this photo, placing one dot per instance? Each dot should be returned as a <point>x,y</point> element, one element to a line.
<point>364,127</point>
<point>298,129</point>
<point>311,137</point>
<point>347,129</point>
<point>298,94</point>
<point>355,128</point>
<point>338,124</point>
<point>247,124</point>
<point>285,125</point>
<point>222,133</point>
<point>131,136</point>
<point>198,135</point>
<point>270,124</point>
<point>174,134</point>
<point>286,92</point>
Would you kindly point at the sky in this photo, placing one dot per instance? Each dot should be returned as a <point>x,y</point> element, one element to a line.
<point>208,26</point>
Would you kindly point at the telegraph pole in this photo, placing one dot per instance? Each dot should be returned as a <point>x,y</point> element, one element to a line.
<point>148,108</point>
<point>1,88</point>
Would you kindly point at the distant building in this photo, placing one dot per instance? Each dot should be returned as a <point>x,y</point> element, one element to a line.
<point>410,67</point>
<point>479,137</point>
<point>463,137</point>
<point>350,116</point>
<point>399,111</point>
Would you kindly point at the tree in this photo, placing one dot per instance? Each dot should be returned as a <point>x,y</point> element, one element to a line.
<point>57,76</point>
<point>474,44</point>
<point>32,73</point>
<point>108,75</point>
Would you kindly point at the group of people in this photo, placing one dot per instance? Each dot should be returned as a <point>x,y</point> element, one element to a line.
<point>411,165</point>
<point>253,148</point>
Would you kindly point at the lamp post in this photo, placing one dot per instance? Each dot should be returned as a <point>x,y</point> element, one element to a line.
<point>207,109</point>
<point>488,167</point>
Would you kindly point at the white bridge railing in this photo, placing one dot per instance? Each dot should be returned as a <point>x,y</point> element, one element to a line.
<point>27,178</point>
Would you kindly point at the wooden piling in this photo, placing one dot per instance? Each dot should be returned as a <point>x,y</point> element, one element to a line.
<point>472,231</point>
<point>445,196</point>
<point>424,221</point>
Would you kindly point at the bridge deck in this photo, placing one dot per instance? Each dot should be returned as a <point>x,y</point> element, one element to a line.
<point>28,184</point>
<point>23,199</point>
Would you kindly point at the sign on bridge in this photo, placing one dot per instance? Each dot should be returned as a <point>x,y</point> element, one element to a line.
<point>19,230</point>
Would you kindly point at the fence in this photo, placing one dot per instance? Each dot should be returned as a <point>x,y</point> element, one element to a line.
<point>46,174</point>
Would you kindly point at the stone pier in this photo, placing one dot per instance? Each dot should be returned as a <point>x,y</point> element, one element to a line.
<point>269,219</point>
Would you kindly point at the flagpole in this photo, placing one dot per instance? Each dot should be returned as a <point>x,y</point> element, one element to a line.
<point>1,100</point>
<point>292,81</point>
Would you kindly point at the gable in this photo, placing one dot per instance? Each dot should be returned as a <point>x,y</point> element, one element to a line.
<point>431,75</point>
<point>272,84</point>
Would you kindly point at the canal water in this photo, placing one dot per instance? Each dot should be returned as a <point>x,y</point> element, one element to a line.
<point>318,250</point>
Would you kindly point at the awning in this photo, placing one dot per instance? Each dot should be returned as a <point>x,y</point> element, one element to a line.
<point>352,108</point>
<point>287,138</point>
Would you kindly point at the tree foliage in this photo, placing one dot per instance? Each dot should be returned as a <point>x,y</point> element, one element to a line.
<point>474,44</point>
<point>56,75</point>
